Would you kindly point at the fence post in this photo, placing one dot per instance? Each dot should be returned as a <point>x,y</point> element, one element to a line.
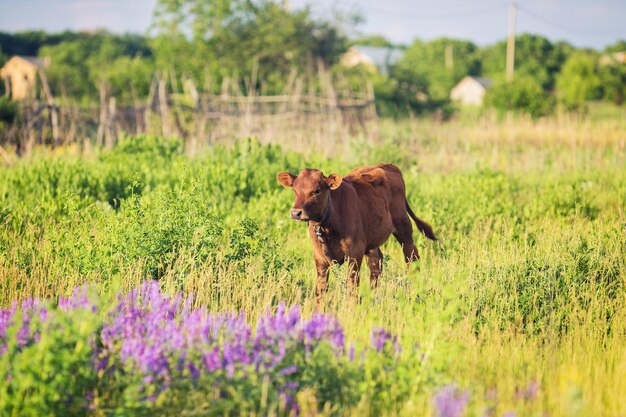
<point>103,114</point>
<point>54,115</point>
<point>110,130</point>
<point>166,128</point>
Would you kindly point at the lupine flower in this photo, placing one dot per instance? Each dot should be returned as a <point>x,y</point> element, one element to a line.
<point>450,401</point>
<point>156,338</point>
<point>29,308</point>
<point>528,393</point>
<point>78,300</point>
<point>380,337</point>
<point>5,320</point>
<point>323,326</point>
<point>288,370</point>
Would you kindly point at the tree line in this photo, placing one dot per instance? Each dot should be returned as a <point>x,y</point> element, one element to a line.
<point>209,40</point>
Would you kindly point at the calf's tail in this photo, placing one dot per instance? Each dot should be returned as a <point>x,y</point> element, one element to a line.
<point>421,224</point>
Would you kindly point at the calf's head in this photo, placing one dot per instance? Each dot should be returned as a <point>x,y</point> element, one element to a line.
<point>312,190</point>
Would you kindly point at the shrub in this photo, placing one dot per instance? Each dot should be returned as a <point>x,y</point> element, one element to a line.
<point>578,81</point>
<point>153,354</point>
<point>46,357</point>
<point>8,111</point>
<point>523,95</point>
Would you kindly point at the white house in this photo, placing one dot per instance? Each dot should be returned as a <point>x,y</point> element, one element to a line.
<point>613,59</point>
<point>20,75</point>
<point>470,90</point>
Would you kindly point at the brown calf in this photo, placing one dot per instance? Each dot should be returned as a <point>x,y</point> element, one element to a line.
<point>352,217</point>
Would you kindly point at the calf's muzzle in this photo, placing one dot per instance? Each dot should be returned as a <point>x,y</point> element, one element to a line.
<point>296,214</point>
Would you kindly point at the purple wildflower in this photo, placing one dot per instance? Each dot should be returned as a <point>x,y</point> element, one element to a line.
<point>380,337</point>
<point>89,399</point>
<point>156,338</point>
<point>5,320</point>
<point>288,370</point>
<point>450,401</point>
<point>43,314</point>
<point>212,359</point>
<point>78,300</point>
<point>323,326</point>
<point>529,393</point>
<point>193,371</point>
<point>23,334</point>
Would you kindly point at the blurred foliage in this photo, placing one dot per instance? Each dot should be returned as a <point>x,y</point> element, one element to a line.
<point>535,57</point>
<point>427,61</point>
<point>29,42</point>
<point>522,94</point>
<point>578,81</point>
<point>373,40</point>
<point>80,67</point>
<point>63,348</point>
<point>231,38</point>
<point>613,75</point>
<point>258,44</point>
<point>8,111</point>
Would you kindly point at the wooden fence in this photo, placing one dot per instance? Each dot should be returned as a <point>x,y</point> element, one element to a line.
<point>303,115</point>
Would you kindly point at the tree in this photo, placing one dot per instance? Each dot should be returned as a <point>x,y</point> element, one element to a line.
<point>373,40</point>
<point>613,81</point>
<point>428,61</point>
<point>521,95</point>
<point>2,61</point>
<point>578,81</point>
<point>613,74</point>
<point>68,73</point>
<point>79,67</point>
<point>397,93</point>
<point>29,42</point>
<point>230,37</point>
<point>129,78</point>
<point>619,46</point>
<point>535,57</point>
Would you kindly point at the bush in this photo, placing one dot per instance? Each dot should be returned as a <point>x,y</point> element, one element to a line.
<point>46,358</point>
<point>550,293</point>
<point>578,81</point>
<point>523,95</point>
<point>8,111</point>
<point>153,354</point>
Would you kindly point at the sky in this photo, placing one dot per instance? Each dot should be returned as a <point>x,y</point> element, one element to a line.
<point>583,23</point>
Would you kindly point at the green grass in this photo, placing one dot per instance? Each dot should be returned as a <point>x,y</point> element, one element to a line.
<point>526,284</point>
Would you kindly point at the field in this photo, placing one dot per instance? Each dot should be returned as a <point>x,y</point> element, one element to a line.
<point>518,310</point>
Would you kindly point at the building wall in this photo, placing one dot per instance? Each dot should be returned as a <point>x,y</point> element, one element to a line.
<point>22,76</point>
<point>468,91</point>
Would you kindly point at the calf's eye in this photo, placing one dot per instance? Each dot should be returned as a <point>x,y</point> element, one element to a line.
<point>317,191</point>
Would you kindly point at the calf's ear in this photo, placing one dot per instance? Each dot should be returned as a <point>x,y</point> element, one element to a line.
<point>285,179</point>
<point>333,181</point>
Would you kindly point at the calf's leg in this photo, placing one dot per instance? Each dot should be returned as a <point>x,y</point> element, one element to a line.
<point>404,235</point>
<point>321,285</point>
<point>354,265</point>
<point>375,263</point>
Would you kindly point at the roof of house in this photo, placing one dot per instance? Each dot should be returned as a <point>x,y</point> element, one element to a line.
<point>37,62</point>
<point>485,82</point>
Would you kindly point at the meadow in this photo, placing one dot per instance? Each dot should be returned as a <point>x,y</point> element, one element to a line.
<point>518,310</point>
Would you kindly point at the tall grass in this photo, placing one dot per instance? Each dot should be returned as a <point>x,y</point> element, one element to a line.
<point>522,302</point>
